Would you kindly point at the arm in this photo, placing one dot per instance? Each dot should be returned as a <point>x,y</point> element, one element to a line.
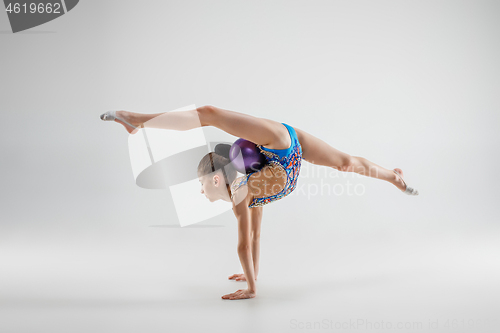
<point>241,200</point>
<point>256,219</point>
<point>256,216</point>
<point>242,213</point>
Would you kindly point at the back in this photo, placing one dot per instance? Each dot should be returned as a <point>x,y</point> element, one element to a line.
<point>278,178</point>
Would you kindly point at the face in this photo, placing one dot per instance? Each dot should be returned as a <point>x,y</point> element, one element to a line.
<point>209,188</point>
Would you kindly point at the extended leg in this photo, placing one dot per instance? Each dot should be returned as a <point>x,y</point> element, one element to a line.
<point>265,132</point>
<point>316,151</point>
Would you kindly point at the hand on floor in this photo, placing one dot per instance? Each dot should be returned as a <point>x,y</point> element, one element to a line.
<point>240,294</point>
<point>239,277</point>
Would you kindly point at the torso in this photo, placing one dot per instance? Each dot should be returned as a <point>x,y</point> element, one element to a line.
<point>276,179</point>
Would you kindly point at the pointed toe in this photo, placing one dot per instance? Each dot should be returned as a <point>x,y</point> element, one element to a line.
<point>111,115</point>
<point>409,190</point>
<point>107,116</point>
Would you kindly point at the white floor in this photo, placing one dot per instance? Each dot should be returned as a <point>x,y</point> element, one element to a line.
<point>140,280</point>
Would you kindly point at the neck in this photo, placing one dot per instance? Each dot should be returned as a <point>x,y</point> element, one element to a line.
<point>226,195</point>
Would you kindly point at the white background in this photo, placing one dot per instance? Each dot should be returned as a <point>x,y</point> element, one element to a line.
<point>408,84</point>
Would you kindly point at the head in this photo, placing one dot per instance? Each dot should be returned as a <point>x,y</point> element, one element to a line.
<point>216,173</point>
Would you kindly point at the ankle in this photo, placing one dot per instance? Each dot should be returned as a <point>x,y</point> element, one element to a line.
<point>398,181</point>
<point>133,118</point>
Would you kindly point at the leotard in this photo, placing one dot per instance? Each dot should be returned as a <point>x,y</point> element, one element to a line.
<point>283,165</point>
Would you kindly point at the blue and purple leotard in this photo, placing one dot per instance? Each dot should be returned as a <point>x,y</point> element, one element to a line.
<point>285,162</point>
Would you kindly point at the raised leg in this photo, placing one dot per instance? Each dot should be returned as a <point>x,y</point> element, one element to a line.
<point>316,151</point>
<point>265,132</point>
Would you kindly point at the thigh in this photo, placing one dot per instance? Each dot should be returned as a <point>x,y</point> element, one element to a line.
<point>317,151</point>
<point>262,131</point>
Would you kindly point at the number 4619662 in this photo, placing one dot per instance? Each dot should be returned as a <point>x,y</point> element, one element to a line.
<point>40,8</point>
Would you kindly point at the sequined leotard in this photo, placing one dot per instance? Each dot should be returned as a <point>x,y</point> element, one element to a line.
<point>282,170</point>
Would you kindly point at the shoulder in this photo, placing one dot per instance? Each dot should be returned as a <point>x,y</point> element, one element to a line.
<point>241,199</point>
<point>237,182</point>
<point>242,193</point>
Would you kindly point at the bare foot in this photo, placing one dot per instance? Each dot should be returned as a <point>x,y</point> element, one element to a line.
<point>128,117</point>
<point>239,277</point>
<point>399,180</point>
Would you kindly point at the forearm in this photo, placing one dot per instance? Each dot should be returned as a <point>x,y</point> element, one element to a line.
<point>245,255</point>
<point>255,255</point>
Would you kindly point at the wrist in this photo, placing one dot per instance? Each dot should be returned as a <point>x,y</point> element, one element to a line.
<point>251,286</point>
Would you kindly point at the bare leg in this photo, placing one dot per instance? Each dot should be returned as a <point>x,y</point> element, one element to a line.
<point>180,121</point>
<point>316,151</point>
<point>265,132</point>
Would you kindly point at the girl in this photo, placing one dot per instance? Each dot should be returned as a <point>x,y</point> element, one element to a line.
<point>284,147</point>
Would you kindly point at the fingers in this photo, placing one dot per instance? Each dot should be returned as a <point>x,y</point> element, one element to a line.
<point>232,294</point>
<point>239,294</point>
<point>237,277</point>
<point>229,296</point>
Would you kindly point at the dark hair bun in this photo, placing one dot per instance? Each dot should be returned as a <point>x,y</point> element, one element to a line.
<point>222,149</point>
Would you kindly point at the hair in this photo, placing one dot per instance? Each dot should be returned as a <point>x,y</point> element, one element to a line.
<point>218,160</point>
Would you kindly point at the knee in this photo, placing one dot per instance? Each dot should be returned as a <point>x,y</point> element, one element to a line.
<point>206,109</point>
<point>205,114</point>
<point>348,163</point>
